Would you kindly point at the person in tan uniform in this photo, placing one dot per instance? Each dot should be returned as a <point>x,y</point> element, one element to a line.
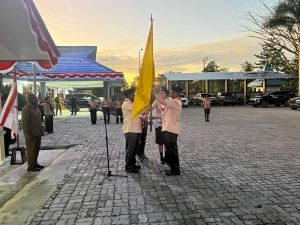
<point>132,130</point>
<point>105,105</point>
<point>170,130</point>
<point>32,129</point>
<point>206,107</point>
<point>119,114</point>
<point>48,112</point>
<point>157,118</point>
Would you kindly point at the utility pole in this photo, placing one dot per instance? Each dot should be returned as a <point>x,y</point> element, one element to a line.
<point>204,62</point>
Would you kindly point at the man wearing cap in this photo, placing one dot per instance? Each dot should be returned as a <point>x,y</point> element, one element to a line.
<point>170,129</point>
<point>132,129</point>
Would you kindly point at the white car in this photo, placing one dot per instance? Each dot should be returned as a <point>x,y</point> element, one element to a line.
<point>184,100</point>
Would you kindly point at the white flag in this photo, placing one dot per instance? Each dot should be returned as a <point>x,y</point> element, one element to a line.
<point>9,113</point>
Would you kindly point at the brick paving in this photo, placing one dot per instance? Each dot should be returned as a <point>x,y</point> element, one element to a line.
<point>243,167</point>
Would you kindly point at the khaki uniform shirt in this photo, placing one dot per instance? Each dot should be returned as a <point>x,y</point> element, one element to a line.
<point>171,118</point>
<point>47,110</point>
<point>31,122</point>
<point>130,126</point>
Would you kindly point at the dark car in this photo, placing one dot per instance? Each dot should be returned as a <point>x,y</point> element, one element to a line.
<point>82,100</point>
<point>276,98</point>
<point>294,103</point>
<point>198,99</point>
<point>226,98</point>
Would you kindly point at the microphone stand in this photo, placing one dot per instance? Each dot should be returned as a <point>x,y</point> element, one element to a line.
<point>109,173</point>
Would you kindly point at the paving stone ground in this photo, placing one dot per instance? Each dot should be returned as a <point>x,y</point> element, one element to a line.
<point>242,167</point>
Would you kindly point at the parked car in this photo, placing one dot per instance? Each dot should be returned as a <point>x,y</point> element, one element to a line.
<point>82,100</point>
<point>226,98</point>
<point>294,103</point>
<point>184,100</point>
<point>277,98</point>
<point>198,99</point>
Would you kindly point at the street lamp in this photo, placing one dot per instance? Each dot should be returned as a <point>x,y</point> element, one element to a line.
<point>140,59</point>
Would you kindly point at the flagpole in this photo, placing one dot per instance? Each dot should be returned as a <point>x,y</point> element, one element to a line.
<point>17,108</point>
<point>2,132</point>
<point>151,121</point>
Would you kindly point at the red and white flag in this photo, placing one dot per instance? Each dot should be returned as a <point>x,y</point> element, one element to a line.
<point>9,112</point>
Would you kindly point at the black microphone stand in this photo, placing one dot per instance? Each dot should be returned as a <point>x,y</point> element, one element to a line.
<point>109,173</point>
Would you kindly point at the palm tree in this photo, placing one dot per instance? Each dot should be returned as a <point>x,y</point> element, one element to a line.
<point>287,14</point>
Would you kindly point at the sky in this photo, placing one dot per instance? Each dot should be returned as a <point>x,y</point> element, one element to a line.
<point>185,31</point>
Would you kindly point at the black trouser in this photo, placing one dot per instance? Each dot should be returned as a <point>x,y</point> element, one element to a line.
<point>133,140</point>
<point>106,113</point>
<point>171,154</point>
<point>49,123</point>
<point>73,109</point>
<point>7,140</point>
<point>206,113</point>
<point>119,115</point>
<point>141,149</point>
<point>93,115</point>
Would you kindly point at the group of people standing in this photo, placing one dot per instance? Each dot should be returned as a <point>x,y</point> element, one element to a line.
<point>167,128</point>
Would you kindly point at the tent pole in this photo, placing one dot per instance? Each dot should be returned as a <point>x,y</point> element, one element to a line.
<point>34,78</point>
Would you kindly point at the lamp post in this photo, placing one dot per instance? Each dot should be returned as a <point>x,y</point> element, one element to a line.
<point>206,85</point>
<point>140,60</point>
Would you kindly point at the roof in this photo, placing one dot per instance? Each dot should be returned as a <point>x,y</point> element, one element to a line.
<point>24,37</point>
<point>228,75</point>
<point>76,63</point>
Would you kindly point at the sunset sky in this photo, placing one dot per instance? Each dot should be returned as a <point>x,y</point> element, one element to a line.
<point>185,31</point>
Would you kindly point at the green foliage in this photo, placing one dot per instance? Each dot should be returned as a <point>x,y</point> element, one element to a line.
<point>161,81</point>
<point>275,58</point>
<point>247,66</point>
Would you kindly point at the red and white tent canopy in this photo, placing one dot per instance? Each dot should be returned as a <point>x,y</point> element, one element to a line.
<point>24,36</point>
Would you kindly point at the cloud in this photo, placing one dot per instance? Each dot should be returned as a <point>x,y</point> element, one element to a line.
<point>229,54</point>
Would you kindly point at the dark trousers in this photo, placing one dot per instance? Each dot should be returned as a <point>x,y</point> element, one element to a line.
<point>33,146</point>
<point>171,154</point>
<point>7,140</point>
<point>49,123</point>
<point>119,115</point>
<point>133,140</point>
<point>106,113</point>
<point>141,149</point>
<point>206,114</point>
<point>93,113</point>
<point>73,109</point>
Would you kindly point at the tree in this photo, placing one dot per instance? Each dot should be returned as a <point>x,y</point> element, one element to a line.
<point>215,85</point>
<point>287,16</point>
<point>247,66</point>
<point>272,56</point>
<point>279,29</point>
<point>161,81</point>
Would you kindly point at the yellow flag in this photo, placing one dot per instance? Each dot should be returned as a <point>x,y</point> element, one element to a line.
<point>146,78</point>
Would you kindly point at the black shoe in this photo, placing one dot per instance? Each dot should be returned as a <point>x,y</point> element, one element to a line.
<point>39,166</point>
<point>137,167</point>
<point>33,169</point>
<point>132,171</point>
<point>167,171</point>
<point>172,174</point>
